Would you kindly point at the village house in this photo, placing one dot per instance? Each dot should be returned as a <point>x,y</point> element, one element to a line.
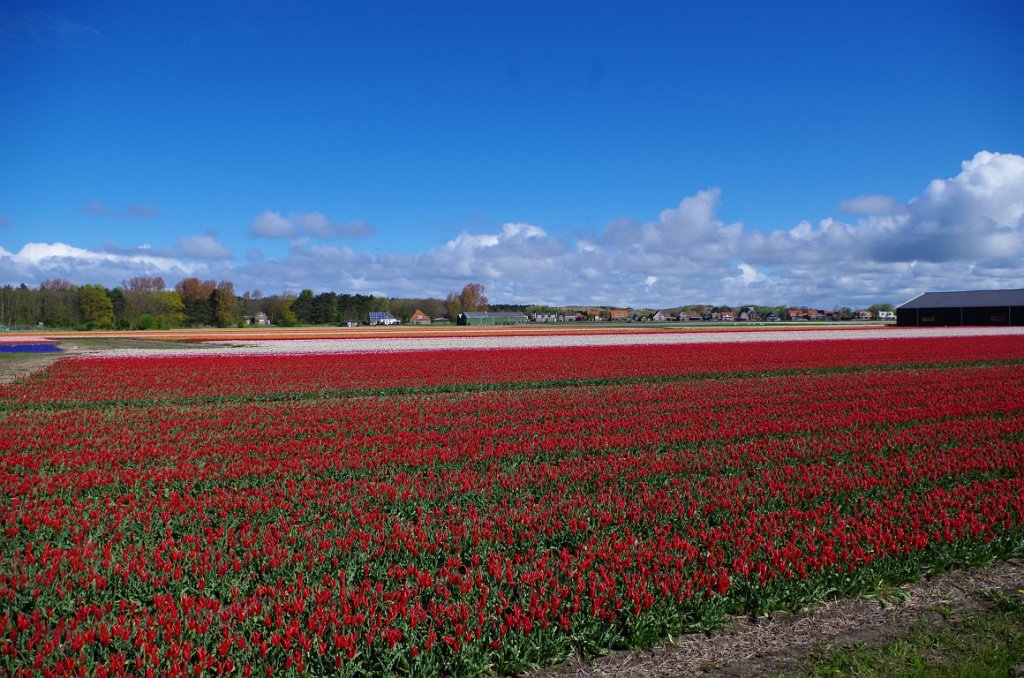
<point>618,314</point>
<point>418,317</point>
<point>259,319</point>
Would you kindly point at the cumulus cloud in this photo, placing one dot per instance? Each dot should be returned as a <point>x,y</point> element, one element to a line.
<point>689,229</point>
<point>270,224</point>
<point>976,216</point>
<point>37,261</point>
<point>962,232</point>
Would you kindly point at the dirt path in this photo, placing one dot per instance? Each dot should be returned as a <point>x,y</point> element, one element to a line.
<point>779,645</point>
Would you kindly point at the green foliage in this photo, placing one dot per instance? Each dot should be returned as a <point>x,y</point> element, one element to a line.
<point>224,305</point>
<point>286,317</point>
<point>95,306</point>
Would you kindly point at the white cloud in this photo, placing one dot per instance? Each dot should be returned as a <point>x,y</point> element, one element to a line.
<point>976,216</point>
<point>270,224</point>
<point>749,275</point>
<point>202,247</point>
<point>964,232</point>
<point>36,262</point>
<point>690,229</point>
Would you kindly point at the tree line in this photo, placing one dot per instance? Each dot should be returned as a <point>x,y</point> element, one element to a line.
<point>146,302</point>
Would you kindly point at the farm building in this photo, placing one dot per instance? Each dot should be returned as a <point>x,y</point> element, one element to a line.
<point>492,318</point>
<point>974,307</point>
<point>382,318</point>
<point>419,318</point>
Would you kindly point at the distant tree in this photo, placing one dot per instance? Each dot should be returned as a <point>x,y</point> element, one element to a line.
<point>286,317</point>
<point>224,304</point>
<point>302,307</point>
<point>58,303</point>
<point>453,306</point>
<point>279,309</point>
<point>471,298</point>
<point>27,305</point>
<point>120,304</point>
<point>170,309</point>
<point>96,309</point>
<point>196,294</point>
<point>7,305</point>
<point>143,283</point>
<point>875,308</point>
<point>324,308</point>
<point>250,303</point>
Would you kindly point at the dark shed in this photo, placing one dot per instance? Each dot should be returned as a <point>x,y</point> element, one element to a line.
<point>974,307</point>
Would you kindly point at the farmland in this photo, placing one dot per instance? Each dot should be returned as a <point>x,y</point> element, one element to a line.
<point>468,511</point>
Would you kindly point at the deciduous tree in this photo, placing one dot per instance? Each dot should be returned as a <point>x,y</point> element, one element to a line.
<point>95,306</point>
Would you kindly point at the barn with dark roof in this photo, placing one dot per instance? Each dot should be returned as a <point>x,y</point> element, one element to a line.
<point>975,307</point>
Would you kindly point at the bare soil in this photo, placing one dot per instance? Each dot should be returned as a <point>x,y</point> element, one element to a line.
<point>780,644</point>
<point>14,366</point>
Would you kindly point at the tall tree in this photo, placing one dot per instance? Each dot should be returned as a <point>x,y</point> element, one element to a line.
<point>279,309</point>
<point>59,303</point>
<point>224,304</point>
<point>95,306</point>
<point>195,294</point>
<point>302,307</point>
<point>471,298</point>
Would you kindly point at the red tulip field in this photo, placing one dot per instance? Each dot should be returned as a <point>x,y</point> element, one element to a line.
<point>468,512</point>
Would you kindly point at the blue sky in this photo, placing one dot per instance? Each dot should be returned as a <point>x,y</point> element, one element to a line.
<point>641,153</point>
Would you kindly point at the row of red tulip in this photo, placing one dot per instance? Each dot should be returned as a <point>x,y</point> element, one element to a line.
<point>199,375</point>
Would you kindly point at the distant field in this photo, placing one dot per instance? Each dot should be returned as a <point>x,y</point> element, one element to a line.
<point>324,332</point>
<point>486,510</point>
